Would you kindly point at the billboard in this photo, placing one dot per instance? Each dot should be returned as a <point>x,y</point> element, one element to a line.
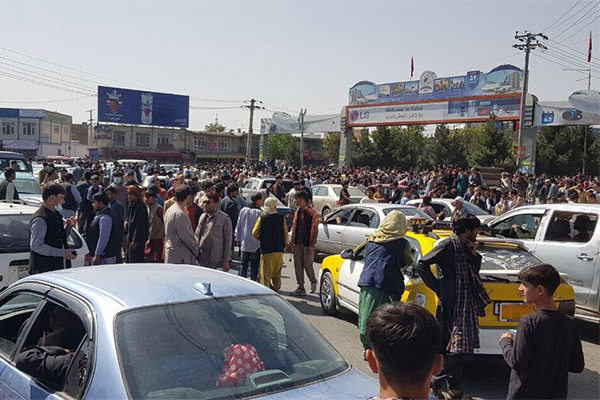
<point>282,122</point>
<point>431,99</point>
<point>125,106</point>
<point>582,108</point>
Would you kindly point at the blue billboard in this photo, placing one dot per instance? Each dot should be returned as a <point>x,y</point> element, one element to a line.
<point>501,81</point>
<point>135,107</point>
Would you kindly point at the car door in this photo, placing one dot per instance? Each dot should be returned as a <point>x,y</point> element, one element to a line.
<point>331,231</point>
<point>60,321</point>
<point>362,223</point>
<point>348,277</point>
<point>18,308</point>
<point>568,251</point>
<point>527,226</point>
<point>317,194</point>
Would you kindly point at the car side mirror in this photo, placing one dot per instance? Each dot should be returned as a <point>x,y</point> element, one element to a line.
<point>347,254</point>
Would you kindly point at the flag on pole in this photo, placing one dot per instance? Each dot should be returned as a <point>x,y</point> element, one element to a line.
<point>412,62</point>
<point>590,48</point>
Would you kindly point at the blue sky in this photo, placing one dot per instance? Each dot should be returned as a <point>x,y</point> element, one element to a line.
<point>289,54</point>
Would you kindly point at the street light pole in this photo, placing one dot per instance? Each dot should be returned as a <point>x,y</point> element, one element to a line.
<point>301,120</point>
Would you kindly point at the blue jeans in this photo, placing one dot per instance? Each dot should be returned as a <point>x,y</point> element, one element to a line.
<point>251,260</point>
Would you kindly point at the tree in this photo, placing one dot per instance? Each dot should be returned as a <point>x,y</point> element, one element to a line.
<point>285,147</point>
<point>214,127</point>
<point>363,150</point>
<point>331,145</point>
<point>447,147</point>
<point>408,147</point>
<point>488,146</point>
<point>560,150</point>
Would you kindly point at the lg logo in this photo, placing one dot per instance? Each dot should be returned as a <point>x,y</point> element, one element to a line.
<point>356,115</point>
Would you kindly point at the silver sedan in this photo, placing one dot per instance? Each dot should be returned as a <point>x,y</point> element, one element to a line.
<point>350,225</point>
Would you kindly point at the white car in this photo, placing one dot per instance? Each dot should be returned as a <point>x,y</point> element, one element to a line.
<point>14,243</point>
<point>350,225</point>
<point>446,206</point>
<point>326,197</point>
<point>149,180</point>
<point>30,192</point>
<point>550,232</point>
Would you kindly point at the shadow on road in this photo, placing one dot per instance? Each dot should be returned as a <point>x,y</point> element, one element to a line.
<point>589,331</point>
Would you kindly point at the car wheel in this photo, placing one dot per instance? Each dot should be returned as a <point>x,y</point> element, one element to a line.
<point>327,295</point>
<point>325,211</point>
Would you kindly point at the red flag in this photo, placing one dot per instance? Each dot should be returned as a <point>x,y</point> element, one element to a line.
<point>590,48</point>
<point>412,62</point>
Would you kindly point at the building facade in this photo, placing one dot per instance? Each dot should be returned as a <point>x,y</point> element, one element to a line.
<point>35,132</point>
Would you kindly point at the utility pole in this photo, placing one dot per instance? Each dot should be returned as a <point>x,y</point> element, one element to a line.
<point>528,41</point>
<point>251,107</point>
<point>301,120</point>
<point>91,121</point>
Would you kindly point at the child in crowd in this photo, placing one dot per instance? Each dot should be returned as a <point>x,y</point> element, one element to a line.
<point>406,350</point>
<point>547,346</point>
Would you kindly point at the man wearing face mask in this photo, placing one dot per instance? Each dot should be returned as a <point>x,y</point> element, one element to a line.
<point>120,189</point>
<point>48,241</point>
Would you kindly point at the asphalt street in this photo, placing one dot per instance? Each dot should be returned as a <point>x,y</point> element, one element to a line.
<point>485,377</point>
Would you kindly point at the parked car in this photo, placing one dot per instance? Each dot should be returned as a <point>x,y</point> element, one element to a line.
<point>30,191</point>
<point>170,335</point>
<point>445,205</point>
<point>326,197</point>
<point>14,243</point>
<point>266,183</point>
<point>348,226</point>
<point>502,261</point>
<point>282,209</point>
<point>6,157</point>
<point>149,181</point>
<point>550,232</point>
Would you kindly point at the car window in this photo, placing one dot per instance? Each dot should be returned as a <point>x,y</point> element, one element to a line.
<point>14,313</point>
<point>473,209</point>
<point>339,217</point>
<point>570,226</point>
<point>221,348</point>
<point>27,186</point>
<point>320,191</point>
<point>21,164</point>
<point>59,328</point>
<point>408,211</point>
<point>521,226</point>
<point>14,233</point>
<point>438,208</point>
<point>363,218</point>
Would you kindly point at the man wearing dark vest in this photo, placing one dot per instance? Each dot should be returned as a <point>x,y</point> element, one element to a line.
<point>8,191</point>
<point>85,205</point>
<point>48,241</point>
<point>271,231</point>
<point>103,235</point>
<point>72,197</point>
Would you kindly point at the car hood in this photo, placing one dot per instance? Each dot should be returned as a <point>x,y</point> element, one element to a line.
<point>352,384</point>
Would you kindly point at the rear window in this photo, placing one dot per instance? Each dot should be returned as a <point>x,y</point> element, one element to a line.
<point>221,349</point>
<point>354,192</point>
<point>498,257</point>
<point>14,233</point>
<point>27,186</point>
<point>473,209</point>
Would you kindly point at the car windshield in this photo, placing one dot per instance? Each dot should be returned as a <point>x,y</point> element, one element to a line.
<point>221,348</point>
<point>503,257</point>
<point>27,186</point>
<point>248,197</point>
<point>14,233</point>
<point>408,211</point>
<point>22,166</point>
<point>473,209</point>
<point>354,192</point>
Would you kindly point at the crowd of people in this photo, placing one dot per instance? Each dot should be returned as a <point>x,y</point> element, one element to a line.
<point>196,215</point>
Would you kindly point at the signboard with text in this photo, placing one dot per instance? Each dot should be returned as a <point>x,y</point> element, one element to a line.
<point>136,107</point>
<point>432,99</point>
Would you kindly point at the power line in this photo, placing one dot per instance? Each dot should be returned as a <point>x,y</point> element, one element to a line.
<point>38,75</point>
<point>584,16</point>
<point>46,102</point>
<point>562,65</point>
<point>582,28</point>
<point>569,60</point>
<point>485,63</point>
<point>65,89</point>
<point>47,70</point>
<point>559,18</point>
<point>584,40</point>
<point>582,9</point>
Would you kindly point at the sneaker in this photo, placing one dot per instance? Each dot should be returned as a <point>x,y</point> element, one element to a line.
<point>313,287</point>
<point>298,292</point>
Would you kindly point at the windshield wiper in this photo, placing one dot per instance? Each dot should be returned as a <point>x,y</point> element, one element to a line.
<point>497,278</point>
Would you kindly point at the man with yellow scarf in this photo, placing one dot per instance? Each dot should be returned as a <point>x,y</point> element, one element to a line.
<point>382,280</point>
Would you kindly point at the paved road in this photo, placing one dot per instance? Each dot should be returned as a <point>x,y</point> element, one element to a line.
<point>485,378</point>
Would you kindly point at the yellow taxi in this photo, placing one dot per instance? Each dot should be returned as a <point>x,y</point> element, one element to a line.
<point>502,261</point>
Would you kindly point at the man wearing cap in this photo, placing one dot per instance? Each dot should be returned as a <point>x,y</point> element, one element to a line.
<point>103,237</point>
<point>459,208</point>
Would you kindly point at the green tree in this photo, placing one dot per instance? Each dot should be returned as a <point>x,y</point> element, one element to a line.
<point>447,147</point>
<point>285,147</point>
<point>331,145</point>
<point>214,127</point>
<point>409,147</point>
<point>488,146</point>
<point>363,149</point>
<point>560,150</point>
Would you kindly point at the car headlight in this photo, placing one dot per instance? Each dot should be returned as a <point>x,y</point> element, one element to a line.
<point>421,299</point>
